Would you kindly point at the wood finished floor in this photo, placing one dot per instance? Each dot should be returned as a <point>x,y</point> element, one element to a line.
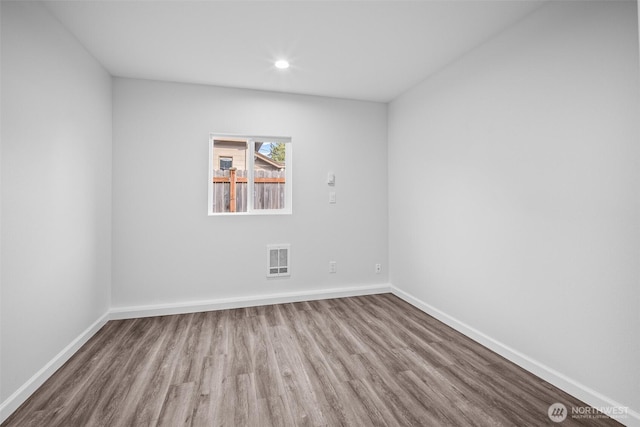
<point>362,361</point>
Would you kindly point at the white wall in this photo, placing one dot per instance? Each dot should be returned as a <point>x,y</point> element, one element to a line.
<point>56,191</point>
<point>166,249</point>
<point>518,215</point>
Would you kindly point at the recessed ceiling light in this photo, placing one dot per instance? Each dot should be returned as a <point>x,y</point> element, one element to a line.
<point>282,64</point>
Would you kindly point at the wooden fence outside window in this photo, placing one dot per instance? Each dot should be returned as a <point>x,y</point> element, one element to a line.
<point>230,190</point>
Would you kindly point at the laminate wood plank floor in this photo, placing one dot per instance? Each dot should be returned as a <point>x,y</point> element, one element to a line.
<point>362,361</point>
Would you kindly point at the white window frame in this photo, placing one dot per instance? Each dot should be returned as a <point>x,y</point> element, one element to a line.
<point>251,140</point>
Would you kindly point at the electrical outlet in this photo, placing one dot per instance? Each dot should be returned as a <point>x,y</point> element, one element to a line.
<point>333,267</point>
<point>378,268</point>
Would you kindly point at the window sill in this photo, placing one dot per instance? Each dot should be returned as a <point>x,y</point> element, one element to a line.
<point>256,213</point>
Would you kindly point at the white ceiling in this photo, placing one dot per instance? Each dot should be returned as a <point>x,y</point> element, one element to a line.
<point>367,50</point>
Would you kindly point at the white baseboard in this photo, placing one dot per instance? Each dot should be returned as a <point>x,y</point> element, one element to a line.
<point>240,302</point>
<point>574,388</point>
<point>22,394</point>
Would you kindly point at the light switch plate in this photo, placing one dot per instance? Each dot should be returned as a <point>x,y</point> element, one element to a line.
<point>333,267</point>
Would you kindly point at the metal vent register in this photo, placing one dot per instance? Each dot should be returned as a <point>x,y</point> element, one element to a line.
<point>278,262</point>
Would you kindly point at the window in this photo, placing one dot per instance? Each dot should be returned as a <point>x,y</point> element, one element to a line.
<point>226,163</point>
<point>249,175</point>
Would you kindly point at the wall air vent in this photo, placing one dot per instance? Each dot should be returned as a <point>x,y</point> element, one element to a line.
<point>278,260</point>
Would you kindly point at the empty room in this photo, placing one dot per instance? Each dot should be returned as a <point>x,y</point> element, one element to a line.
<point>323,213</point>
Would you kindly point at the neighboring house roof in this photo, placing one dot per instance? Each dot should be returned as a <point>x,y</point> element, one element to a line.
<point>270,162</point>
